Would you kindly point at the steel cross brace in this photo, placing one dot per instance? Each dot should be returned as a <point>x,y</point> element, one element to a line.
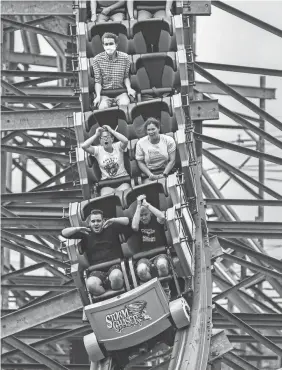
<point>38,257</point>
<point>55,338</point>
<point>38,74</point>
<point>277,264</point>
<point>32,316</point>
<point>241,69</point>
<point>246,91</point>
<point>244,202</point>
<point>24,270</point>
<point>41,196</point>
<point>253,266</point>
<point>34,354</point>
<point>32,22</point>
<point>263,114</point>
<point>226,167</point>
<point>236,362</point>
<point>35,7</point>
<point>29,287</point>
<point>18,92</point>
<point>38,119</point>
<point>236,338</point>
<point>242,325</point>
<point>238,148</point>
<point>234,288</point>
<point>37,30</point>
<point>54,223</point>
<point>240,299</point>
<point>30,152</point>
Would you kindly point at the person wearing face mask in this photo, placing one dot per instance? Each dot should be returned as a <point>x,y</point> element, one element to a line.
<point>100,241</point>
<point>111,71</point>
<point>155,153</point>
<point>148,222</point>
<point>107,12</point>
<point>109,155</point>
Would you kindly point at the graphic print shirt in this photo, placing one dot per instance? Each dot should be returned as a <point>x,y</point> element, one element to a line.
<point>152,235</point>
<point>111,164</point>
<point>156,156</point>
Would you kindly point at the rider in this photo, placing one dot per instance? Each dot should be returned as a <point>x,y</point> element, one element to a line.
<point>101,243</point>
<point>149,223</point>
<point>111,72</point>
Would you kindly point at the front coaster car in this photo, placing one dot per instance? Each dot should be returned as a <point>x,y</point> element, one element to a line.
<point>132,318</point>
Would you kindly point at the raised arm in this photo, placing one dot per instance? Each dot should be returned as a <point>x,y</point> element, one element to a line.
<point>87,145</point>
<point>156,212</point>
<point>75,232</point>
<point>116,220</point>
<point>136,218</point>
<point>118,136</point>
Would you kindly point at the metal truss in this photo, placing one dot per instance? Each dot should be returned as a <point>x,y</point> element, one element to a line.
<point>38,140</point>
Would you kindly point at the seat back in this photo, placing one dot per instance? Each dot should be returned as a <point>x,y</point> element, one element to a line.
<point>156,70</point>
<point>96,31</point>
<point>108,204</point>
<point>151,36</point>
<point>157,108</point>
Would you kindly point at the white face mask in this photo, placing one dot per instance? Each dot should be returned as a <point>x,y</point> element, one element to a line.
<point>109,46</point>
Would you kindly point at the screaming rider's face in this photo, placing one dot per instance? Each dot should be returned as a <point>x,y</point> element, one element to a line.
<point>106,140</point>
<point>96,223</point>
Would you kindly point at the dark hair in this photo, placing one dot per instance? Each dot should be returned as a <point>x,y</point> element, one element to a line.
<point>97,212</point>
<point>152,120</point>
<point>110,35</point>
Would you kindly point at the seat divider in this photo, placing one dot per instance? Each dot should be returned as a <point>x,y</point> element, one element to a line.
<point>131,267</point>
<point>126,281</point>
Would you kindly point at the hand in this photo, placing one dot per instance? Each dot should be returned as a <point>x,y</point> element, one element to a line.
<point>97,100</point>
<point>140,199</point>
<point>160,176</point>
<point>145,203</point>
<point>106,10</point>
<point>93,18</point>
<point>109,222</point>
<point>108,128</point>
<point>85,230</point>
<point>131,92</point>
<point>153,177</point>
<point>99,130</point>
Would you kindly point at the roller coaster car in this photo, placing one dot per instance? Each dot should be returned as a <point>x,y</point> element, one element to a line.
<point>147,36</point>
<point>154,75</point>
<point>132,318</point>
<point>130,121</point>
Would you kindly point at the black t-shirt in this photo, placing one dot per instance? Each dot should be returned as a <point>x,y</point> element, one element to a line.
<point>104,246</point>
<point>152,235</point>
